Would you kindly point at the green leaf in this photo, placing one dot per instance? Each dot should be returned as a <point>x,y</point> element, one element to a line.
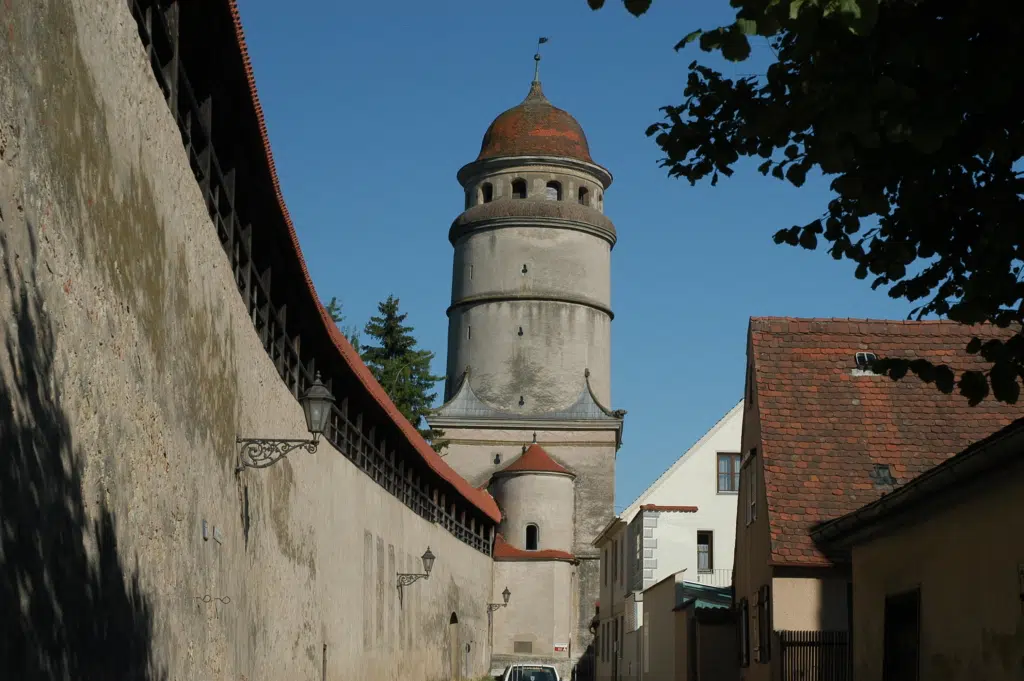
<point>595,4</point>
<point>690,37</point>
<point>808,239</point>
<point>792,151</point>
<point>796,174</point>
<point>637,7</point>
<point>747,26</point>
<point>735,46</point>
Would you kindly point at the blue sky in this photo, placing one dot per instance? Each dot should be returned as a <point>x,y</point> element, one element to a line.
<point>373,106</point>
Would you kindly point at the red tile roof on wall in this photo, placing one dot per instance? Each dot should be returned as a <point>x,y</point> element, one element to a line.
<point>824,429</point>
<point>479,498</point>
<point>535,460</point>
<point>535,128</point>
<point>668,509</point>
<point>505,551</point>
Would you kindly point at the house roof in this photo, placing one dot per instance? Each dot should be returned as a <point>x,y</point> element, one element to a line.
<point>669,509</point>
<point>535,460</point>
<point>828,431</point>
<point>616,523</point>
<point>993,455</point>
<point>631,510</point>
<point>479,498</point>
<point>503,551</point>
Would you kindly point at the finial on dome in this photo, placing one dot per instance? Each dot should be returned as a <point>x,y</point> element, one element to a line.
<point>535,437</point>
<point>536,61</point>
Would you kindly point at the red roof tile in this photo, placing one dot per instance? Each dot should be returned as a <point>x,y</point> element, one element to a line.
<point>823,429</point>
<point>669,509</point>
<point>535,128</point>
<point>535,460</point>
<point>480,499</point>
<point>505,551</point>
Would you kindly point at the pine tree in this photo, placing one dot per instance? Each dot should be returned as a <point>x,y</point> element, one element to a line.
<point>333,308</point>
<point>401,368</point>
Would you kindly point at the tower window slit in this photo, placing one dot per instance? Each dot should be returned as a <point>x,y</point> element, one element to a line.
<point>584,196</point>
<point>553,191</point>
<point>520,331</point>
<point>532,537</point>
<point>519,189</point>
<point>486,192</point>
<point>469,331</point>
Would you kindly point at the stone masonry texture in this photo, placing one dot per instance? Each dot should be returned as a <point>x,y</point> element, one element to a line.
<point>129,366</point>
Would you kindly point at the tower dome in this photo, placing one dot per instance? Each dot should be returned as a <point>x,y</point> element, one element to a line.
<point>535,128</point>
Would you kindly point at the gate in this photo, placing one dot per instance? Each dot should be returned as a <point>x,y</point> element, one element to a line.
<point>815,656</point>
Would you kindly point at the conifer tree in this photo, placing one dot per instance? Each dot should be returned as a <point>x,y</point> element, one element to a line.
<point>402,369</point>
<point>333,308</point>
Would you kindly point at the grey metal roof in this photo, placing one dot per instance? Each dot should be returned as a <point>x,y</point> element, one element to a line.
<point>466,404</point>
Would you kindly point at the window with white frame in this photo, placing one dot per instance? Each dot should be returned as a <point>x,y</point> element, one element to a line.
<point>705,551</point>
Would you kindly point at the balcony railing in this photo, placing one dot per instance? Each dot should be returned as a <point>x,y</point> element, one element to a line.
<point>716,577</point>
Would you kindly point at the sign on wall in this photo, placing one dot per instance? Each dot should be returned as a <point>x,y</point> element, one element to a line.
<point>561,647</point>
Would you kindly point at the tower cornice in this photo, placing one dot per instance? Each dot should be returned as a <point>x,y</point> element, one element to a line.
<point>469,172</point>
<point>539,213</point>
<point>531,296</point>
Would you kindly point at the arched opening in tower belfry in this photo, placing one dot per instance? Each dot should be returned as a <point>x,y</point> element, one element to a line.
<point>584,196</point>
<point>486,192</point>
<point>532,537</point>
<point>519,189</point>
<point>553,191</point>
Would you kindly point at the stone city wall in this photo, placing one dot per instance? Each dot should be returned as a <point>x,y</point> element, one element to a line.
<point>129,366</point>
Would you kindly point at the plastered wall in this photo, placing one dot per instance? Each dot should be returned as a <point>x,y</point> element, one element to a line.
<point>128,368</point>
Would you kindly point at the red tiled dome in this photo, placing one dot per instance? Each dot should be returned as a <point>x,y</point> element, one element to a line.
<point>535,460</point>
<point>535,128</point>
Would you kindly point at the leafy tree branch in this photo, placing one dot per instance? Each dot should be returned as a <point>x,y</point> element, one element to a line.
<point>909,106</point>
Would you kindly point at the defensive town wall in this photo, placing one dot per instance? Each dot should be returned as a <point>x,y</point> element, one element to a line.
<point>155,306</point>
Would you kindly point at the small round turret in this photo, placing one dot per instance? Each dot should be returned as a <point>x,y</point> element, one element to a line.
<point>536,496</point>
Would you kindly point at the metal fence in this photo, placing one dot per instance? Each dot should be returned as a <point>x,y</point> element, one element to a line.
<point>815,656</point>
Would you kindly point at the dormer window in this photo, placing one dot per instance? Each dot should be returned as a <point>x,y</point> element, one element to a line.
<point>532,537</point>
<point>865,360</point>
<point>553,191</point>
<point>519,189</point>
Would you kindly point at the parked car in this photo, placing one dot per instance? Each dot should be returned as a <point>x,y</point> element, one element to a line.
<point>528,672</point>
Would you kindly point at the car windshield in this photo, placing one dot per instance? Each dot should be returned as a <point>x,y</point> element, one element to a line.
<point>527,673</point>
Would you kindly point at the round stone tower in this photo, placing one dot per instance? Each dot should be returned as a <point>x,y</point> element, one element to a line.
<point>531,286</point>
<point>529,354</point>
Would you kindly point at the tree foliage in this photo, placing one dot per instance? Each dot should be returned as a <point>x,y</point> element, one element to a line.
<point>909,106</point>
<point>401,368</point>
<point>333,308</point>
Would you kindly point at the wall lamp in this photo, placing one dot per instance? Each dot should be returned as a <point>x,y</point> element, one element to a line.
<point>263,452</point>
<point>407,578</point>
<point>505,595</point>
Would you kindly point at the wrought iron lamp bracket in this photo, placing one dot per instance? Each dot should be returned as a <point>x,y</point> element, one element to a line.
<point>264,452</point>
<point>491,607</point>
<point>405,579</point>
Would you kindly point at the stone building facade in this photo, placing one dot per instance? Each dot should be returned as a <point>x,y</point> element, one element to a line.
<point>529,372</point>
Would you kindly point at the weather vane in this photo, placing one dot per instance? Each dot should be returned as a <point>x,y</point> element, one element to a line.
<point>536,60</point>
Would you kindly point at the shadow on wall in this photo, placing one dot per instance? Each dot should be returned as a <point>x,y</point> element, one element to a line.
<point>585,668</point>
<point>68,612</point>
